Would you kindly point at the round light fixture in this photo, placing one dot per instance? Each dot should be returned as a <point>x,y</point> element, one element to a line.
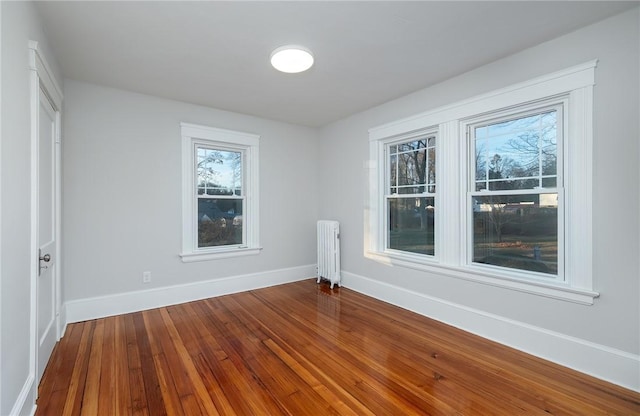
<point>291,59</point>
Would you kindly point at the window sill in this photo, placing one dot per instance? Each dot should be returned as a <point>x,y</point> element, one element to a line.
<point>470,273</point>
<point>219,254</point>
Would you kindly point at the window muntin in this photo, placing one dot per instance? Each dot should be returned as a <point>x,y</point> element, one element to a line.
<point>410,196</point>
<point>516,215</point>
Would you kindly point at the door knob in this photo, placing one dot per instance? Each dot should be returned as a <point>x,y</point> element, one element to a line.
<point>46,258</point>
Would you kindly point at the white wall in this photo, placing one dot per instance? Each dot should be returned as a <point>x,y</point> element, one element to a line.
<point>122,194</point>
<point>613,323</point>
<point>20,23</point>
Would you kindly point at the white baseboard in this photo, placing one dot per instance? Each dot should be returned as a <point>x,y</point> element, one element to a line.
<point>61,323</point>
<point>609,364</point>
<point>25,402</point>
<point>103,306</point>
<point>618,367</point>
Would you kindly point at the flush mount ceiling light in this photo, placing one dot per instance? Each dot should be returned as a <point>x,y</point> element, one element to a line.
<point>291,59</point>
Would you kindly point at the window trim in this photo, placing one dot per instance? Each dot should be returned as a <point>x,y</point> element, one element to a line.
<point>576,84</point>
<point>193,136</point>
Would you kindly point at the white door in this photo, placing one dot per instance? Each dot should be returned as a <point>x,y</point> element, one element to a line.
<point>46,327</point>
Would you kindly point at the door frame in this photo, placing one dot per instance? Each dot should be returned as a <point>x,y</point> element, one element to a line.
<point>42,79</point>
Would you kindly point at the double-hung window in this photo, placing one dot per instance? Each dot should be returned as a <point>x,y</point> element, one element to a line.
<point>410,194</point>
<point>220,212</point>
<point>220,195</point>
<point>515,190</point>
<point>514,178</point>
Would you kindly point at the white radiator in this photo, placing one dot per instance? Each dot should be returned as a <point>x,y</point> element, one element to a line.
<point>329,251</point>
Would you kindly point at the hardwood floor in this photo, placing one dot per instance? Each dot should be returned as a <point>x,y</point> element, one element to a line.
<point>304,349</point>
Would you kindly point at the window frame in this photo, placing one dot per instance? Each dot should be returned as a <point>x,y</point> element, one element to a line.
<point>197,136</point>
<point>215,146</point>
<point>575,85</point>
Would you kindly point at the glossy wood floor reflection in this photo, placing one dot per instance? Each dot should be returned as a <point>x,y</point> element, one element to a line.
<point>304,349</point>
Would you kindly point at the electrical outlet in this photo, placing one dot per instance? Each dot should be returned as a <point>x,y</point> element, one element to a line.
<point>146,277</point>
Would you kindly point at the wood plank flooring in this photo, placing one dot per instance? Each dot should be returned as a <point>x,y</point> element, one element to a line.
<point>304,349</point>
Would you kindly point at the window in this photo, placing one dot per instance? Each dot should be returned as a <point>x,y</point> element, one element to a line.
<point>513,197</point>
<point>410,195</point>
<point>514,190</point>
<point>220,211</point>
<point>221,201</point>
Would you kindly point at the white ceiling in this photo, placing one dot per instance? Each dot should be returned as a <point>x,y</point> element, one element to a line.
<point>366,53</point>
